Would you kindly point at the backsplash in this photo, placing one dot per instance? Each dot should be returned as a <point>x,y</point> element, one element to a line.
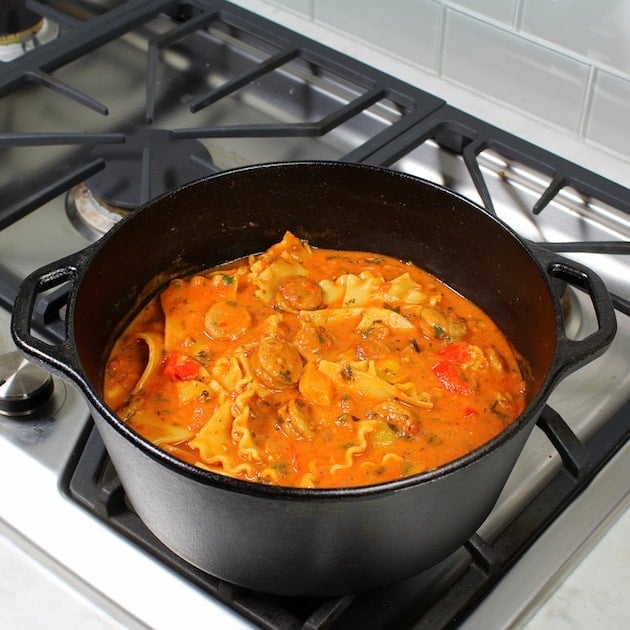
<point>563,62</point>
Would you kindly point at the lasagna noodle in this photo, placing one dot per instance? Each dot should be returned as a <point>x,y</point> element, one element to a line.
<point>363,429</point>
<point>155,346</point>
<point>361,392</point>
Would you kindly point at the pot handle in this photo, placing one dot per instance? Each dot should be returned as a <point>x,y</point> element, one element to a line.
<point>62,357</point>
<point>573,354</point>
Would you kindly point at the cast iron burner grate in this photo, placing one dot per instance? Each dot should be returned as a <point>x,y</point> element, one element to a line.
<point>99,156</point>
<point>148,164</point>
<point>438,598</point>
<point>468,136</point>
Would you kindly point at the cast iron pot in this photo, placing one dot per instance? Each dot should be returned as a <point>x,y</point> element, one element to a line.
<point>293,541</point>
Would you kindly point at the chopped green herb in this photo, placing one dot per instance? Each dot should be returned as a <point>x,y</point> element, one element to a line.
<point>203,357</point>
<point>407,469</point>
<point>433,439</point>
<point>345,418</point>
<point>346,372</point>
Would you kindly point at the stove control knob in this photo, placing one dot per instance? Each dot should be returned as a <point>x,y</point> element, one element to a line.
<point>24,387</point>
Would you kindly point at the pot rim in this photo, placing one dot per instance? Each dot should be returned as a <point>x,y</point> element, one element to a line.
<point>206,477</point>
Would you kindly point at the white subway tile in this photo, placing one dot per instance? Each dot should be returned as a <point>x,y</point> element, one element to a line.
<point>406,28</point>
<point>596,29</point>
<point>499,10</point>
<point>299,6</point>
<point>501,64</point>
<point>609,120</point>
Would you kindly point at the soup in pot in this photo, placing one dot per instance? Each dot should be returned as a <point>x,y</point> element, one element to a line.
<point>314,368</point>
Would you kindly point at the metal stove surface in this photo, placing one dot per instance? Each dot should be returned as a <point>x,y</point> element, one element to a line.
<point>303,92</point>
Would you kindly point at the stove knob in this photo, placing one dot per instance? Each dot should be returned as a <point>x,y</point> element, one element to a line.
<point>24,387</point>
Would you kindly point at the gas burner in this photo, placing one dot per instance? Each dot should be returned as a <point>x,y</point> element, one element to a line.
<point>148,164</point>
<point>22,30</point>
<point>91,216</point>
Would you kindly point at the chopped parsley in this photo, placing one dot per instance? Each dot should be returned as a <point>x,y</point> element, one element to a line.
<point>346,372</point>
<point>286,375</point>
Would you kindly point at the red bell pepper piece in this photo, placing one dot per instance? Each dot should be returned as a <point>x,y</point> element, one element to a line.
<point>454,352</point>
<point>451,379</point>
<point>179,367</point>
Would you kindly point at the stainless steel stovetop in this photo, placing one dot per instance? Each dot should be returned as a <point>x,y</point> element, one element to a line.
<point>242,90</point>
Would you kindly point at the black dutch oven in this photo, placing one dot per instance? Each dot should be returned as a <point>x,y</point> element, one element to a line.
<point>293,541</point>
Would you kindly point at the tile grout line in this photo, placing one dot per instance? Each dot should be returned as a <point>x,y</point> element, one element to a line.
<point>588,102</point>
<point>517,18</point>
<point>439,62</point>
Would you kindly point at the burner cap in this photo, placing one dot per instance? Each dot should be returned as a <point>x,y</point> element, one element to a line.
<point>91,216</point>
<point>24,387</point>
<point>16,19</point>
<point>172,163</point>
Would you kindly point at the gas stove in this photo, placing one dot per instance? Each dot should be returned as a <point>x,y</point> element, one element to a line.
<point>105,107</point>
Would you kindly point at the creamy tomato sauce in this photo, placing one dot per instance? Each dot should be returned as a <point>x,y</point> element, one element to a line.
<point>312,367</point>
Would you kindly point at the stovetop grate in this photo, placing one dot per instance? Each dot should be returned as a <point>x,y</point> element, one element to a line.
<point>423,601</point>
<point>359,88</point>
<point>469,136</point>
<point>438,598</point>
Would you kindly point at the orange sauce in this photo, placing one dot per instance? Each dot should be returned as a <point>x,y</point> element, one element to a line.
<point>315,368</point>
